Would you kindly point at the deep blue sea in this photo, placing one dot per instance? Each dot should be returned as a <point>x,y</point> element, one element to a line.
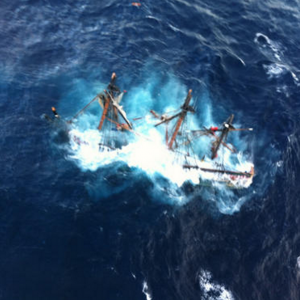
<point>115,232</point>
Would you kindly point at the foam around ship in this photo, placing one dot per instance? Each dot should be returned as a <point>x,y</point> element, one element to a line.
<point>114,129</point>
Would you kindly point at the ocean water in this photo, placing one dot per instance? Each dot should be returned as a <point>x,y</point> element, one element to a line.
<point>75,227</point>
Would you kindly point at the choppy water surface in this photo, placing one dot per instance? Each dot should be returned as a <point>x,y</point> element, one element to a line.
<point>73,228</point>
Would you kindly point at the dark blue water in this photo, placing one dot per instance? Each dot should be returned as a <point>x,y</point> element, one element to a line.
<point>69,233</point>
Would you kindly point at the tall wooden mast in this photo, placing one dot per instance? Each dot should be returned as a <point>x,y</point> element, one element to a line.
<point>106,106</point>
<point>110,101</point>
<point>227,125</point>
<point>182,115</point>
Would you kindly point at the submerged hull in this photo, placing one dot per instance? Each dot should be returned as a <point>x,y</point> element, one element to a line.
<point>233,179</point>
<point>208,172</point>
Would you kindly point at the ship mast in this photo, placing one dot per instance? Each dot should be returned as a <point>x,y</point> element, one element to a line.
<point>182,115</point>
<point>185,108</point>
<point>105,110</point>
<point>112,105</point>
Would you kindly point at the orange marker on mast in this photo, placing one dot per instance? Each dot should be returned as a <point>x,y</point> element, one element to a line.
<point>55,112</point>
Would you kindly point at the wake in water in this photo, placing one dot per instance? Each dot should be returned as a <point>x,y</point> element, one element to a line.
<point>145,149</point>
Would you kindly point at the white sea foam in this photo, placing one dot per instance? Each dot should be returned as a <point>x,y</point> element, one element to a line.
<point>148,154</point>
<point>146,291</point>
<point>212,290</point>
<point>274,70</point>
<point>85,150</point>
<point>274,52</point>
<point>266,43</point>
<point>294,76</point>
<point>298,263</point>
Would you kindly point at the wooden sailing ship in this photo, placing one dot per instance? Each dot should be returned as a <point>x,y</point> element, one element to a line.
<point>179,138</point>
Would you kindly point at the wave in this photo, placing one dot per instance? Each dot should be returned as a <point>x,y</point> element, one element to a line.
<point>212,290</point>
<point>278,65</point>
<point>145,291</point>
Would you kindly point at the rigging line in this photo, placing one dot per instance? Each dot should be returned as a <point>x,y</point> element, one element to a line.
<point>83,109</point>
<point>165,113</point>
<point>182,140</point>
<point>190,148</point>
<point>195,103</point>
<point>223,154</point>
<point>139,118</point>
<point>128,129</point>
<point>194,153</point>
<point>195,107</point>
<point>171,111</point>
<point>120,110</point>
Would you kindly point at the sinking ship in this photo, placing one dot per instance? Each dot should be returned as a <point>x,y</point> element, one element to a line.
<point>114,128</point>
<point>180,140</point>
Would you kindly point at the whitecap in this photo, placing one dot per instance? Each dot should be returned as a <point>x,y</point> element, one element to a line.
<point>145,291</point>
<point>268,46</point>
<point>212,290</point>
<point>274,70</point>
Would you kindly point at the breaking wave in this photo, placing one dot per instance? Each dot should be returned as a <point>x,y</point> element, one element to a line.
<point>278,65</point>
<point>146,291</point>
<point>268,47</point>
<point>212,290</point>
